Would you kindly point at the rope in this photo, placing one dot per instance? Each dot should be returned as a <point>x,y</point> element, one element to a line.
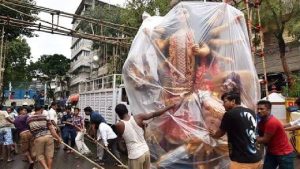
<point>96,142</point>
<point>78,153</point>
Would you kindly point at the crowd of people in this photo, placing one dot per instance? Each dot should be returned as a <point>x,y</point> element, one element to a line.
<point>39,132</point>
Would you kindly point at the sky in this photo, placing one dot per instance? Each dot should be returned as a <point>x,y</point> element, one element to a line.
<point>47,43</point>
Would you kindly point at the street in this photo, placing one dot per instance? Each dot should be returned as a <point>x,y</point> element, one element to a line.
<point>63,160</point>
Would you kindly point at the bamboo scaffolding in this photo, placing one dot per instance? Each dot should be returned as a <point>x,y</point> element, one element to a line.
<point>68,15</point>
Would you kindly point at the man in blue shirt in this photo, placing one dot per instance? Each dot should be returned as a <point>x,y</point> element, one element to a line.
<point>95,119</point>
<point>68,130</point>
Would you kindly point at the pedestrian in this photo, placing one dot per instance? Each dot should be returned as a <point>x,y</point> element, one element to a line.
<point>240,125</point>
<point>271,133</point>
<point>13,131</point>
<point>95,119</point>
<point>108,139</point>
<point>24,134</point>
<point>68,131</point>
<point>294,125</point>
<point>26,96</point>
<point>5,135</point>
<point>13,105</point>
<point>78,122</point>
<point>13,114</point>
<point>53,117</point>
<point>52,114</point>
<point>43,132</point>
<point>131,128</point>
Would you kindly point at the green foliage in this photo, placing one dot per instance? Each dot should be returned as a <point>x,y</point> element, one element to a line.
<point>14,32</point>
<point>48,67</point>
<point>103,12</point>
<point>51,66</point>
<point>17,54</point>
<point>281,15</point>
<point>132,15</point>
<point>294,91</point>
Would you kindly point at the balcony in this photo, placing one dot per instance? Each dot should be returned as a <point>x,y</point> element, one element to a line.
<point>78,79</point>
<point>82,44</point>
<point>82,61</point>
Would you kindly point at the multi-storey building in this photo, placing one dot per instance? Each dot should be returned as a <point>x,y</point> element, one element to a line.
<point>82,67</point>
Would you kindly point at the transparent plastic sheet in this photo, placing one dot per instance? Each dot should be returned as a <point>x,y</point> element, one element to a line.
<point>198,50</point>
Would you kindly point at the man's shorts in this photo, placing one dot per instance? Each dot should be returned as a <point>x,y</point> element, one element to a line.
<point>6,136</point>
<point>44,147</point>
<point>25,141</point>
<point>142,162</point>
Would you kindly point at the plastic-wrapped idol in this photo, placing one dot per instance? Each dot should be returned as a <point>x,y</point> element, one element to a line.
<point>197,51</point>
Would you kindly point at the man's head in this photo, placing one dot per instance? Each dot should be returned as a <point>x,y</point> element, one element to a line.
<point>121,110</point>
<point>22,110</point>
<point>38,109</point>
<point>231,100</point>
<point>88,110</point>
<point>76,111</point>
<point>264,108</point>
<point>13,104</point>
<point>9,109</point>
<point>54,105</point>
<point>68,110</point>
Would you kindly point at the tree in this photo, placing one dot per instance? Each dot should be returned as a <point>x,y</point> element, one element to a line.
<point>132,15</point>
<point>279,17</point>
<point>14,32</point>
<point>17,55</point>
<point>49,67</point>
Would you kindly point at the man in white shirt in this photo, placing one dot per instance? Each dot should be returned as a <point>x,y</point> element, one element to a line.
<point>5,135</point>
<point>108,138</point>
<point>52,116</point>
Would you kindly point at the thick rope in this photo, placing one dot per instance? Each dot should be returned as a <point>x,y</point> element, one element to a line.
<point>78,153</point>
<point>96,142</point>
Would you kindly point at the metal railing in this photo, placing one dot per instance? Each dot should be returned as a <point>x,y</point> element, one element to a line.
<point>105,82</point>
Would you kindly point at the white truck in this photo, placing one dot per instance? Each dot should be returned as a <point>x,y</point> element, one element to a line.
<point>102,95</point>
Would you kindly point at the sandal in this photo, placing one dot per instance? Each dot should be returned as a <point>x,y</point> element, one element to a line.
<point>10,160</point>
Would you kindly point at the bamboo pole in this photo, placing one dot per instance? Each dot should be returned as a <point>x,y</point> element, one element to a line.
<point>96,142</point>
<point>262,51</point>
<point>78,153</point>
